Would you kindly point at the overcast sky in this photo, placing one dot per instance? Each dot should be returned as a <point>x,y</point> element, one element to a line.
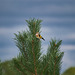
<point>58,22</point>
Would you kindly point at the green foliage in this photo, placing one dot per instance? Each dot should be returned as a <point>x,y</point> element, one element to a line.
<point>5,68</point>
<point>0,68</point>
<point>70,71</point>
<point>51,62</point>
<point>29,61</point>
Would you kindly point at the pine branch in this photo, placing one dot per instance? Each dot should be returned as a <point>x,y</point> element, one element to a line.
<point>34,28</point>
<point>26,68</point>
<point>45,67</point>
<point>34,58</point>
<point>55,65</point>
<point>19,70</point>
<point>25,52</point>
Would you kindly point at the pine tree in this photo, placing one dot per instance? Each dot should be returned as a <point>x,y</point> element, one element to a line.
<point>30,60</point>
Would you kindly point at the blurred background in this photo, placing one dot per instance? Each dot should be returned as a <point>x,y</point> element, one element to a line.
<point>58,22</point>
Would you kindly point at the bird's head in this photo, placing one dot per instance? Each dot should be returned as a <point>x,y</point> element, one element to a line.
<point>37,34</point>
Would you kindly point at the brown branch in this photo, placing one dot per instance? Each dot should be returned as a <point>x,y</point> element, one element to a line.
<point>45,67</point>
<point>26,68</point>
<point>34,58</point>
<point>55,65</point>
<point>19,70</point>
<point>34,27</point>
<point>25,52</point>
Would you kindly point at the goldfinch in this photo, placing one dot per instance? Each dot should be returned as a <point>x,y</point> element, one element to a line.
<point>39,36</point>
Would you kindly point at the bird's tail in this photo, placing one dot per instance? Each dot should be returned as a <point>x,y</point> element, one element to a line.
<point>43,39</point>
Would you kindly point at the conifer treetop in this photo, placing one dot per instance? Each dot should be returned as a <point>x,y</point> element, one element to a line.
<point>30,61</point>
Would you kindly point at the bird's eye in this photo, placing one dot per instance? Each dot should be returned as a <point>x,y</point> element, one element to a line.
<point>39,35</point>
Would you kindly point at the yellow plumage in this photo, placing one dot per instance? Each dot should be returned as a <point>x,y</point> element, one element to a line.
<point>39,36</point>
